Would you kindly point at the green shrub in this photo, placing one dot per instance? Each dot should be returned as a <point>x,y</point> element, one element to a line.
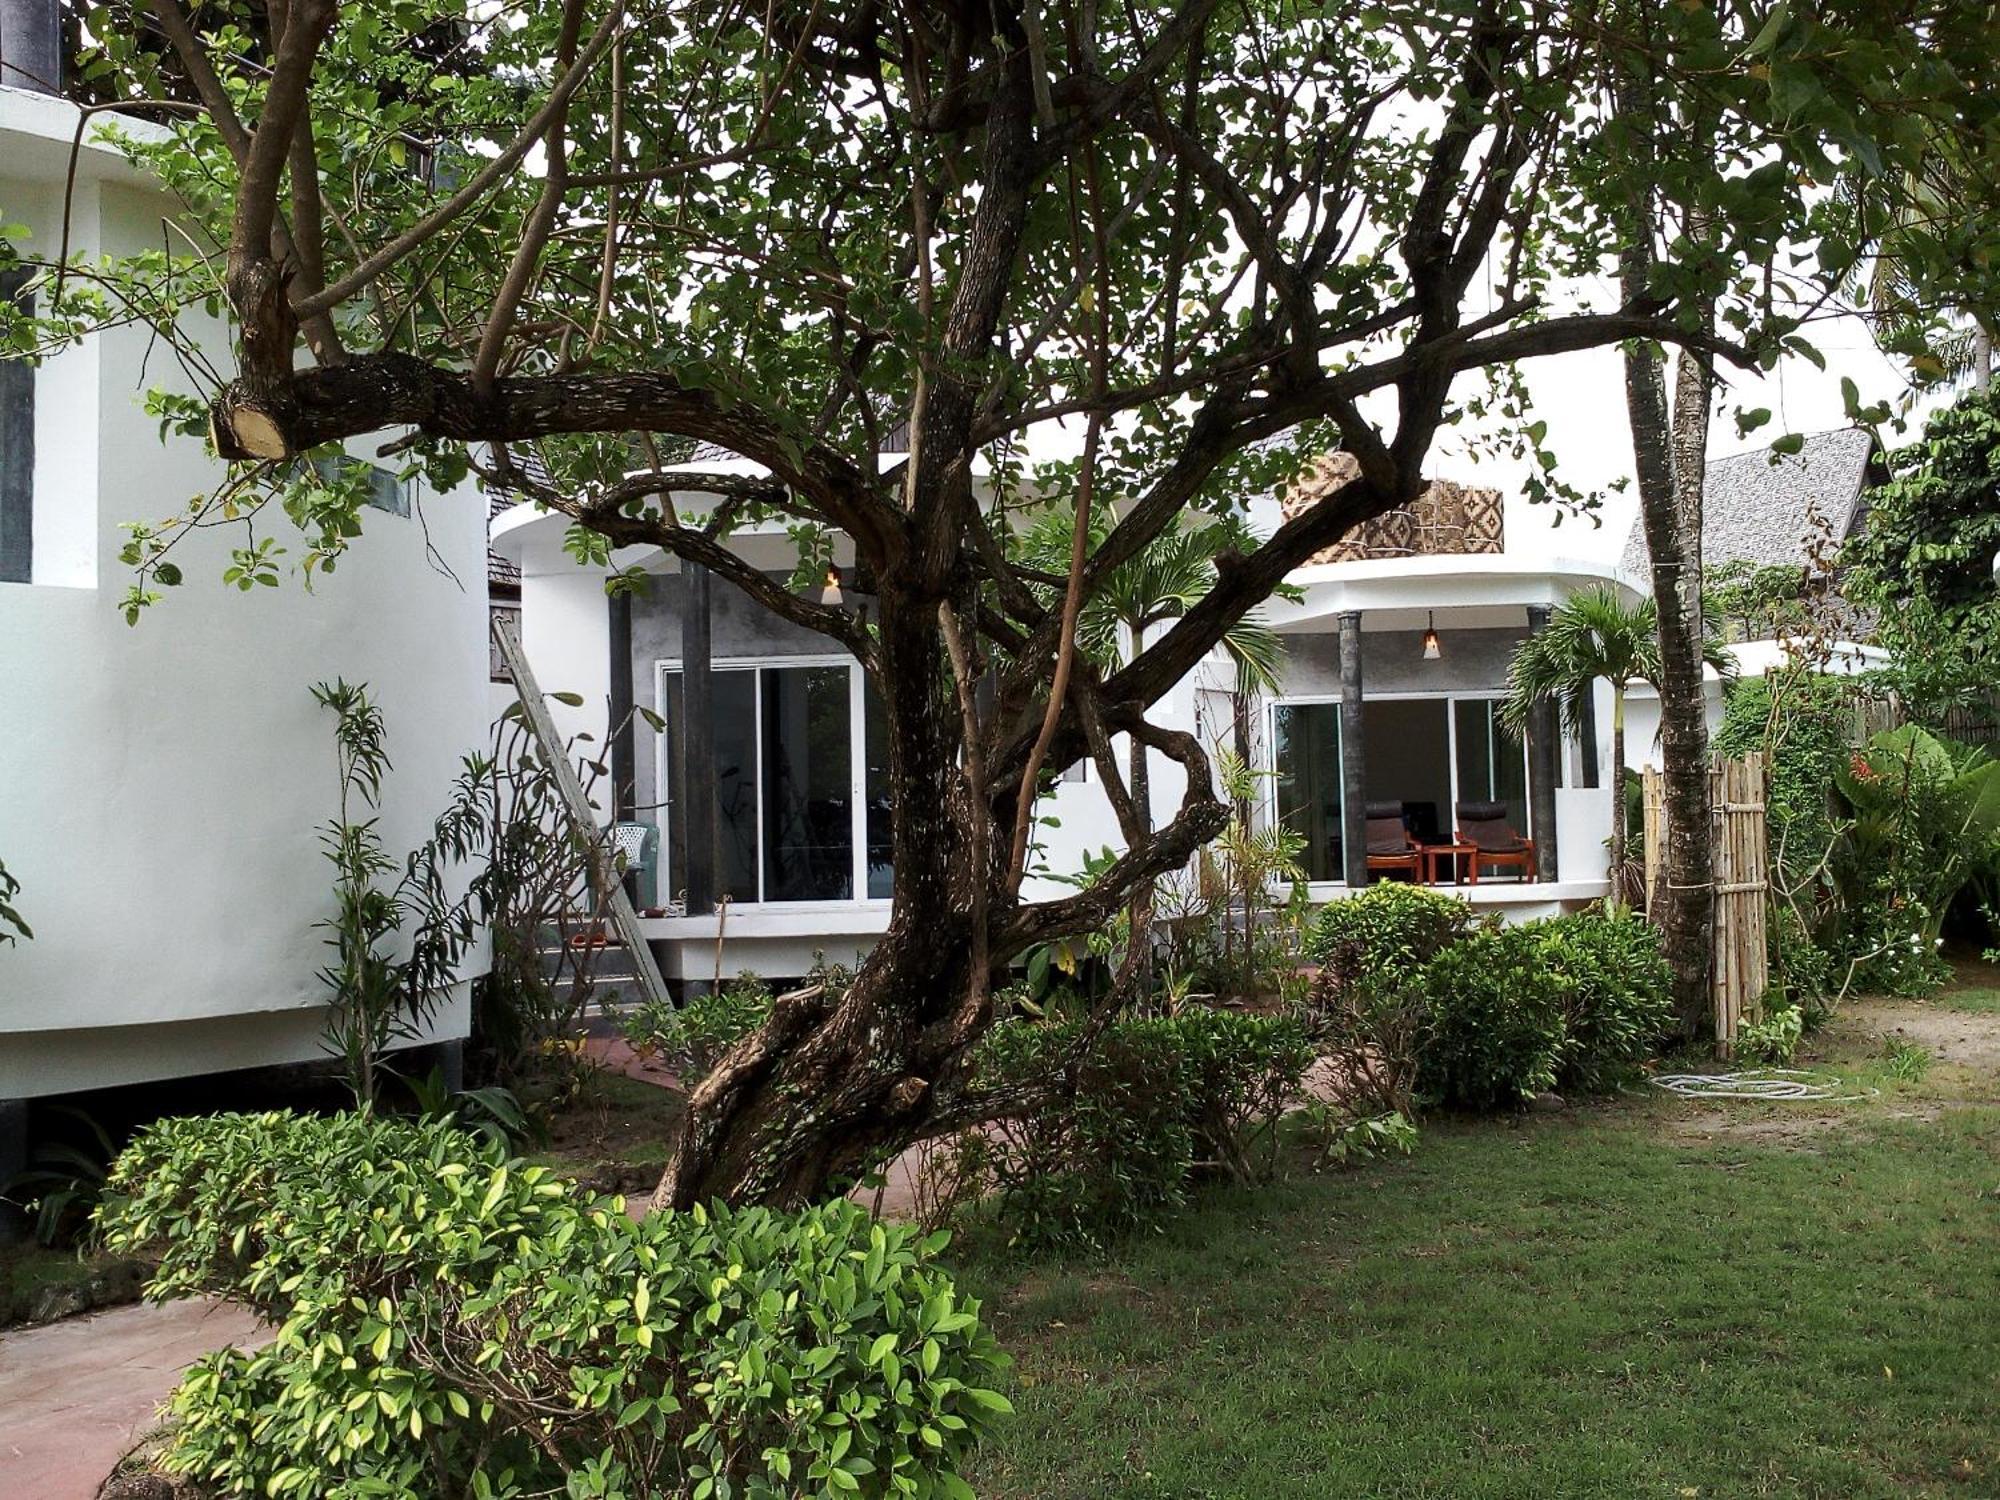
<point>690,1038</point>
<point>1497,1020</point>
<point>454,1323</point>
<point>1098,1135</point>
<point>1387,928</point>
<point>1617,995</point>
<point>1773,1040</point>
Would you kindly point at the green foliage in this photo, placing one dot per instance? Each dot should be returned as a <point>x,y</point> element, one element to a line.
<point>1345,1142</point>
<point>1388,928</point>
<point>1870,846</point>
<point>64,1180</point>
<point>1099,1127</point>
<point>691,1037</point>
<point>13,927</point>
<point>1618,1006</point>
<point>1227,935</point>
<point>1924,561</point>
<point>454,1323</point>
<point>1497,1020</point>
<point>383,992</point>
<point>1907,1061</point>
<point>1774,1040</point>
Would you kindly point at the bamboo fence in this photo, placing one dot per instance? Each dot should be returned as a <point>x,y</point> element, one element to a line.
<point>1742,875</point>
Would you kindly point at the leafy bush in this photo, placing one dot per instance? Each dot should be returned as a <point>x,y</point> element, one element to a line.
<point>690,1038</point>
<point>1097,1130</point>
<point>1617,999</point>
<point>1388,928</point>
<point>1344,1141</point>
<point>1773,1040</point>
<point>454,1323</point>
<point>1497,1027</point>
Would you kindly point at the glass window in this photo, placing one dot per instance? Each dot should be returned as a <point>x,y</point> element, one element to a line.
<point>17,448</point>
<point>808,810</point>
<point>1492,761</point>
<point>881,829</point>
<point>1305,740</point>
<point>784,753</point>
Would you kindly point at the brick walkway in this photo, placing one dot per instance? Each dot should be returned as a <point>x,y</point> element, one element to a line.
<point>76,1395</point>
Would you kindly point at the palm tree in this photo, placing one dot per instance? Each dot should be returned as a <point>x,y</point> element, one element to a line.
<point>1591,635</point>
<point>1161,583</point>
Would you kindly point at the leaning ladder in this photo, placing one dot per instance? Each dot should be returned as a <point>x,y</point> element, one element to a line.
<point>604,879</point>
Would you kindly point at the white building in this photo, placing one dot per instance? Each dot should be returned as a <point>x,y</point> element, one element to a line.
<point>162,786</point>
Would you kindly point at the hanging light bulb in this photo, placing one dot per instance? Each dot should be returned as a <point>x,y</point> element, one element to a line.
<point>831,593</point>
<point>1432,650</point>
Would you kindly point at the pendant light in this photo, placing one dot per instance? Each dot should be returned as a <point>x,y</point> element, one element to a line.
<point>831,593</point>
<point>1432,650</point>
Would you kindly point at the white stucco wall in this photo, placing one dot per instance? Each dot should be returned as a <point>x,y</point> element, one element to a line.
<point>161,787</point>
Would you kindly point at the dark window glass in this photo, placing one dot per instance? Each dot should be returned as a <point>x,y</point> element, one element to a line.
<point>736,784</point>
<point>881,829</point>
<point>17,450</point>
<point>1492,761</point>
<point>1586,742</point>
<point>1306,751</point>
<point>784,795</point>
<point>808,799</point>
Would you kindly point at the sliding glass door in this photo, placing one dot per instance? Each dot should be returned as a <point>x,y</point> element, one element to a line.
<point>1419,748</point>
<point>1305,746</point>
<point>1492,761</point>
<point>790,820</point>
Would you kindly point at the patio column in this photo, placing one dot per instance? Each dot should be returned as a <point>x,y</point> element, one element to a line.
<point>1353,758</point>
<point>695,797</point>
<point>624,767</point>
<point>1544,760</point>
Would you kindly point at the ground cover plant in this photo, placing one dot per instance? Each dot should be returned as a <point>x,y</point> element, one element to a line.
<point>1644,1298</point>
<point>452,1322</point>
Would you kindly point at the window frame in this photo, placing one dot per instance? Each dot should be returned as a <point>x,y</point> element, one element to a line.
<point>857,771</point>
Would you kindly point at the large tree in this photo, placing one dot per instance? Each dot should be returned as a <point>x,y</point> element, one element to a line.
<point>1203,237</point>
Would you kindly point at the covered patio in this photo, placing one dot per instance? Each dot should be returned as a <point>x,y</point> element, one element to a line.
<point>1386,748</point>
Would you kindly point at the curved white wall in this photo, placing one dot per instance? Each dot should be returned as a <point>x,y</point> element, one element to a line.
<point>161,787</point>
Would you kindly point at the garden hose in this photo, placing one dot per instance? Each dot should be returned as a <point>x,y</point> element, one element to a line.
<point>1783,1084</point>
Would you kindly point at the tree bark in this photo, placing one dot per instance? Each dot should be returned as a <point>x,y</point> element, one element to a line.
<point>1669,450</point>
<point>1620,832</point>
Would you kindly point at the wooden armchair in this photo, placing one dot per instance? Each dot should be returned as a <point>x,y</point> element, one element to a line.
<point>1390,847</point>
<point>1495,844</point>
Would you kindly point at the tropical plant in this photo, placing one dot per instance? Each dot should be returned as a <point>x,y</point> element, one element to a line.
<point>1924,561</point>
<point>1594,635</point>
<point>64,1180</point>
<point>1169,577</point>
<point>456,1323</point>
<point>1926,822</point>
<point>1228,931</point>
<point>380,997</point>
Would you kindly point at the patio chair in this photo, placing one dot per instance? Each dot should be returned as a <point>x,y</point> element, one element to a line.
<point>1390,847</point>
<point>1483,828</point>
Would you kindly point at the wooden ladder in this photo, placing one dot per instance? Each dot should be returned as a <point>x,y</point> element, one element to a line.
<point>589,837</point>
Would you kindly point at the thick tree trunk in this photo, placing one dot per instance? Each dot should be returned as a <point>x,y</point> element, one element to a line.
<point>833,1082</point>
<point>1668,454</point>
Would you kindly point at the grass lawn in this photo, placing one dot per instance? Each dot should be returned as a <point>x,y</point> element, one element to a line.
<point>1645,1298</point>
